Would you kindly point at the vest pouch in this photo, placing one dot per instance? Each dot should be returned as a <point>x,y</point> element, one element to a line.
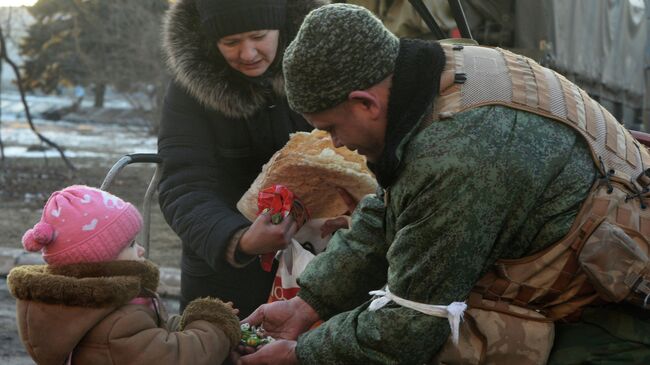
<point>508,334</point>
<point>615,264</point>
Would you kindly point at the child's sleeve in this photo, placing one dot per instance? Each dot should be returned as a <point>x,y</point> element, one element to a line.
<point>208,330</point>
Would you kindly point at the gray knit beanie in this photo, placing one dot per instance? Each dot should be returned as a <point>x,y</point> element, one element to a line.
<point>338,49</point>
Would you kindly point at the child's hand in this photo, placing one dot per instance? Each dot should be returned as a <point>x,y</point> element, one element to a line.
<point>235,311</point>
<point>216,312</point>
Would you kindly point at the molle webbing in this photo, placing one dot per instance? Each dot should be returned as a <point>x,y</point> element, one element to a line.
<point>493,76</point>
<point>552,281</point>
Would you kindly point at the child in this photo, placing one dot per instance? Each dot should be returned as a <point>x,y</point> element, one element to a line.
<point>95,303</point>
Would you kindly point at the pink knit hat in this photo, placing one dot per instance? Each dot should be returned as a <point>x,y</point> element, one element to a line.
<point>83,224</point>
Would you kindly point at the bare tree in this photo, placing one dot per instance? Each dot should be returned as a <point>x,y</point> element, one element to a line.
<point>6,58</point>
<point>97,43</point>
<point>2,146</point>
<point>139,72</point>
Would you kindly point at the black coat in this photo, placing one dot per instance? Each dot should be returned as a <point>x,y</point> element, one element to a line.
<point>218,129</point>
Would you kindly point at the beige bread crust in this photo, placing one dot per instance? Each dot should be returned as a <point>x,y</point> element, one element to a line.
<point>311,167</point>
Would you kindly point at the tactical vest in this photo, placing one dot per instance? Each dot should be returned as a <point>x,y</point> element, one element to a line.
<point>603,257</point>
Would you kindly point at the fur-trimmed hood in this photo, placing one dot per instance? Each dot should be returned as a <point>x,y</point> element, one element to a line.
<point>86,310</point>
<point>196,64</point>
<point>94,285</point>
<point>58,306</point>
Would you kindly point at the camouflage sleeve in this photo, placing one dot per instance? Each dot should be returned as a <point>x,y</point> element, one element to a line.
<point>466,197</point>
<point>428,245</point>
<point>358,253</point>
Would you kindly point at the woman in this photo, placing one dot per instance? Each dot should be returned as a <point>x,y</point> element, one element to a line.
<point>225,114</point>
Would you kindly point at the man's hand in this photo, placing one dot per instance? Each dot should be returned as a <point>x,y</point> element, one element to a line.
<point>277,352</point>
<point>342,222</point>
<point>332,225</point>
<point>263,236</point>
<point>285,319</point>
<point>349,200</point>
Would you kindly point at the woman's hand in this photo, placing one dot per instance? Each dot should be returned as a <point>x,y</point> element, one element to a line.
<point>264,236</point>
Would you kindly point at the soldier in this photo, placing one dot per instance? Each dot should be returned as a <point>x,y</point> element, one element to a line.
<point>505,188</point>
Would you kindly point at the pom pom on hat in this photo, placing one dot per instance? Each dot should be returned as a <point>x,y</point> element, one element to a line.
<point>36,238</point>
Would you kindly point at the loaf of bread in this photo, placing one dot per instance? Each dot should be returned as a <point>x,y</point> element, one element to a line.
<point>311,167</point>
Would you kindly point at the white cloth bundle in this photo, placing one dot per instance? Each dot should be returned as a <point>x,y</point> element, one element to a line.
<point>453,312</point>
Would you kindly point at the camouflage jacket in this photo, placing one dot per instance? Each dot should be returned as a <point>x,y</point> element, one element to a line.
<point>490,183</point>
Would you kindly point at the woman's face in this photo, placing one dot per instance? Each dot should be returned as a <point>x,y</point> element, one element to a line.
<point>250,53</point>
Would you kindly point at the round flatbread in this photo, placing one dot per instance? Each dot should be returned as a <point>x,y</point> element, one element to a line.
<point>311,167</point>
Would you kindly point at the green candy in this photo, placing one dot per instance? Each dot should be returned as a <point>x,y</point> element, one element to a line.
<point>252,336</point>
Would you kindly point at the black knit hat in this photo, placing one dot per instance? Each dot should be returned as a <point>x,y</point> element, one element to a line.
<point>220,18</point>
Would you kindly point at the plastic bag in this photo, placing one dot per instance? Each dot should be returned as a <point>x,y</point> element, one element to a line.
<point>291,263</point>
<point>280,202</point>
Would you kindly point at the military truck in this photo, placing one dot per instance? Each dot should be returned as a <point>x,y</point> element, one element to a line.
<point>601,45</point>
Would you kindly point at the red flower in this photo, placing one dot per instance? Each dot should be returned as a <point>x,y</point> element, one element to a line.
<point>280,202</point>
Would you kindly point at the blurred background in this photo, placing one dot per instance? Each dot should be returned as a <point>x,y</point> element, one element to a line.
<point>601,45</point>
<point>93,75</point>
<point>82,85</point>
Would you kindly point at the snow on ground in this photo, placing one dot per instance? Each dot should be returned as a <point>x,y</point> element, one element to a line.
<point>78,139</point>
<point>11,102</point>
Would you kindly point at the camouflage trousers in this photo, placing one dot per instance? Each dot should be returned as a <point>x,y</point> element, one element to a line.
<point>606,335</point>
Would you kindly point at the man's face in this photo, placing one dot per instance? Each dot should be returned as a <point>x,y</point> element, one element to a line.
<point>352,126</point>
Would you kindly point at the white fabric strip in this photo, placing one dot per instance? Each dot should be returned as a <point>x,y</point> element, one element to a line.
<point>453,312</point>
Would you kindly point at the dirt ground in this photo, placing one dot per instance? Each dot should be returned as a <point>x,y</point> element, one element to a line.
<point>12,351</point>
<point>26,183</point>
